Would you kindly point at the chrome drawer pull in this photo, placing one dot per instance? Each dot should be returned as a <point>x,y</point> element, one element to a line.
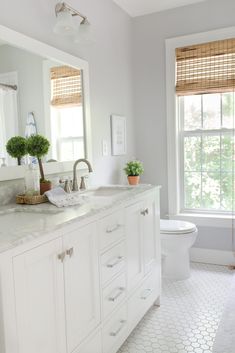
<point>146,293</point>
<point>69,252</point>
<point>113,229</point>
<point>115,297</point>
<point>116,262</point>
<point>115,333</point>
<point>61,256</point>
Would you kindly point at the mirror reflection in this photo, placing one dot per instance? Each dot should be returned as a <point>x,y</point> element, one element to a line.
<point>40,96</point>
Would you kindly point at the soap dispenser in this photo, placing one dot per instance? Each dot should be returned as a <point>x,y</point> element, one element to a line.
<point>32,185</point>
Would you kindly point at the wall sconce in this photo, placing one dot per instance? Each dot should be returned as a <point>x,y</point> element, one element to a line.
<point>65,24</point>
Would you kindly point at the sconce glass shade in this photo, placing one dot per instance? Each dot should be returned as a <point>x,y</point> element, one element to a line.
<point>64,23</point>
<point>83,34</point>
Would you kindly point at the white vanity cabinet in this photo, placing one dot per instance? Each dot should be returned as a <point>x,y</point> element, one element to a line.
<point>84,287</point>
<point>134,241</point>
<point>150,218</point>
<point>39,299</point>
<point>81,275</point>
<point>143,238</point>
<point>57,290</point>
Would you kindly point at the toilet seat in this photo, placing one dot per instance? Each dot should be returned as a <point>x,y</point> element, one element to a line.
<point>168,226</point>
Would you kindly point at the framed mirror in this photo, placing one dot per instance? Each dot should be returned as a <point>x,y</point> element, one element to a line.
<point>45,91</point>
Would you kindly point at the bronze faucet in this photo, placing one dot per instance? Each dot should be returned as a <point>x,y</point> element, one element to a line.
<point>75,183</point>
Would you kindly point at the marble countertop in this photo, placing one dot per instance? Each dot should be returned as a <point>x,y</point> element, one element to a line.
<point>23,223</point>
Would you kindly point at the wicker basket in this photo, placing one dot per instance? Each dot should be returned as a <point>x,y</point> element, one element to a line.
<point>31,200</point>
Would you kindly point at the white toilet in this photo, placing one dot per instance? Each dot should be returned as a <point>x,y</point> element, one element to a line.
<point>177,237</point>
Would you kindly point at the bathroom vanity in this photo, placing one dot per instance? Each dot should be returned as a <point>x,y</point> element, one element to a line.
<point>79,279</point>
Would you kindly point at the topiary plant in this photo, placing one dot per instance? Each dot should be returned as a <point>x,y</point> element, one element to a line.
<point>17,147</point>
<point>38,146</point>
<point>134,168</point>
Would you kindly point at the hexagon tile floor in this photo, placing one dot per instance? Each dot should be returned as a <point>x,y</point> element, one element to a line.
<point>188,317</point>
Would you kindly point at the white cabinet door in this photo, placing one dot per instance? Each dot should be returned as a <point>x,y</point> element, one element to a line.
<point>150,236</point>
<point>82,297</point>
<point>135,269</point>
<point>39,293</point>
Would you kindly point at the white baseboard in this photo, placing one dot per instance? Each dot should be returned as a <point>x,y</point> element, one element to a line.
<point>212,256</point>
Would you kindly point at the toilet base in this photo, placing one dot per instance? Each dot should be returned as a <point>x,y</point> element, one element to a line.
<point>176,266</point>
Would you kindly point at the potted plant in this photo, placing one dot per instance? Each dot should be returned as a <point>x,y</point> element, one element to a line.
<point>38,147</point>
<point>17,147</point>
<point>133,171</point>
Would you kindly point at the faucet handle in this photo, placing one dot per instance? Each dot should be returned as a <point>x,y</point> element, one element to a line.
<point>67,186</point>
<point>82,184</point>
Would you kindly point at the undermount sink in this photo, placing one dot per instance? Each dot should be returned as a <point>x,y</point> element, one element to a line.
<point>108,191</point>
<point>104,196</point>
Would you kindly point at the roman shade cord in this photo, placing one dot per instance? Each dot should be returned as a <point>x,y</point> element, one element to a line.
<point>66,86</point>
<point>206,68</point>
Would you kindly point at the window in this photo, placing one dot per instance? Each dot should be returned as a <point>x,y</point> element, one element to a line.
<point>67,133</point>
<point>67,115</point>
<point>207,151</point>
<point>205,82</point>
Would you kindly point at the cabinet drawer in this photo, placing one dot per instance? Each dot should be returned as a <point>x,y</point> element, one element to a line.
<point>115,331</point>
<point>113,294</point>
<point>112,262</point>
<point>111,229</point>
<point>143,298</point>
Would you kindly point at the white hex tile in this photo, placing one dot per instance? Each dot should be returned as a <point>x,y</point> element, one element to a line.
<point>188,317</point>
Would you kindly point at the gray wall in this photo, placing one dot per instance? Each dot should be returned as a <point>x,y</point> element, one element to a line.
<point>149,35</point>
<point>110,66</point>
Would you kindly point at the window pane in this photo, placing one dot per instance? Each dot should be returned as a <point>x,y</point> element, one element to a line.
<point>211,111</point>
<point>71,150</point>
<point>211,191</point>
<point>227,194</point>
<point>192,112</point>
<point>227,143</point>
<point>78,148</point>
<point>192,153</point>
<point>211,153</point>
<point>71,122</point>
<point>228,110</point>
<point>192,190</point>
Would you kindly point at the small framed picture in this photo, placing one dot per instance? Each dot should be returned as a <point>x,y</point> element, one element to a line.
<point>118,132</point>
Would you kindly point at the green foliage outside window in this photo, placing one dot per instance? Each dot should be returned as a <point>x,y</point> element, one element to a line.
<point>209,155</point>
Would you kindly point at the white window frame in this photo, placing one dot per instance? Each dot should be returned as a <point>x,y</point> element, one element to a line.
<point>173,145</point>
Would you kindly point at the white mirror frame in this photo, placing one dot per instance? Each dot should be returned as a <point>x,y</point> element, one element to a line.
<point>21,41</point>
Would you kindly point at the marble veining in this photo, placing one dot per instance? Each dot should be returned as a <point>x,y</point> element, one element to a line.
<point>21,224</point>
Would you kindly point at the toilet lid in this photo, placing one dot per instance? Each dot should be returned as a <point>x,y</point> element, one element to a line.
<point>178,227</point>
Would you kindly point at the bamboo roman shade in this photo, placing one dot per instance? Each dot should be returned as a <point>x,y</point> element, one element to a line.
<point>206,68</point>
<point>66,86</point>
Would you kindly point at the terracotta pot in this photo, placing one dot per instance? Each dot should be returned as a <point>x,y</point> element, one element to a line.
<point>133,180</point>
<point>45,187</point>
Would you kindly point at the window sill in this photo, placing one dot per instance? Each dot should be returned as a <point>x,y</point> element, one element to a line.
<point>206,220</point>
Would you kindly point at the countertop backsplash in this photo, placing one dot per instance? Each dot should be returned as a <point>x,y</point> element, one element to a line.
<point>10,188</point>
